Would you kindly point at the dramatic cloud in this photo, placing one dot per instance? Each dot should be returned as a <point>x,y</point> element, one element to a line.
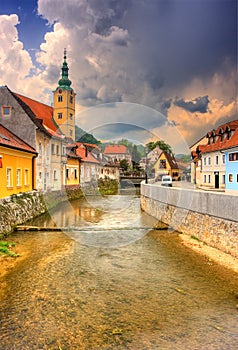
<point>160,54</point>
<point>199,104</point>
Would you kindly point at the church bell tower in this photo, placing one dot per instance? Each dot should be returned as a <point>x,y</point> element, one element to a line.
<point>64,103</point>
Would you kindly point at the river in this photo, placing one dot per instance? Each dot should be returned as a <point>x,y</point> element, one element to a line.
<point>111,282</point>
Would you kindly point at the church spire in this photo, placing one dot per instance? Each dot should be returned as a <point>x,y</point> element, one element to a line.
<point>64,82</point>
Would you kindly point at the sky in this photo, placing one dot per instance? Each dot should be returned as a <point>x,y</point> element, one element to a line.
<point>166,67</point>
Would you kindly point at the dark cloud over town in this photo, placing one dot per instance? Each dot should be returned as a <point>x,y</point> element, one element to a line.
<point>178,57</point>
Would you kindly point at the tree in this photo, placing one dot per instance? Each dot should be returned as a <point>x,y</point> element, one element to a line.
<point>162,145</point>
<point>124,164</point>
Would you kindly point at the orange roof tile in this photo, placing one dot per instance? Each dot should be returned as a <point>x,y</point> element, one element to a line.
<point>42,112</point>
<point>86,156</point>
<point>115,149</point>
<point>8,139</point>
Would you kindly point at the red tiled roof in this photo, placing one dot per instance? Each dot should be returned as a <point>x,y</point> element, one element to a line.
<point>220,144</point>
<point>115,149</point>
<point>86,156</point>
<point>42,112</point>
<point>8,139</point>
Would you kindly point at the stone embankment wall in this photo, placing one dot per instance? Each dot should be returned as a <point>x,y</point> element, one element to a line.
<point>209,216</point>
<point>18,209</point>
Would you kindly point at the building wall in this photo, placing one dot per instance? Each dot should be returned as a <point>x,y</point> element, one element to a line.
<point>73,172</point>
<point>231,173</point>
<point>18,121</point>
<point>17,174</point>
<point>208,167</point>
<point>211,217</point>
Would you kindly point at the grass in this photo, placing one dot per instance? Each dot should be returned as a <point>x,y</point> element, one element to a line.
<point>4,249</point>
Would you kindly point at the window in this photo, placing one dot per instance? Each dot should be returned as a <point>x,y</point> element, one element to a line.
<point>205,161</point>
<point>223,179</point>
<point>162,164</point>
<point>6,111</point>
<point>63,150</point>
<point>75,173</point>
<point>67,173</point>
<point>60,116</point>
<point>236,177</point>
<point>55,175</point>
<point>223,158</point>
<point>71,116</point>
<point>233,157</point>
<point>52,149</point>
<point>57,150</point>
<point>217,160</point>
<point>71,99</point>
<point>209,179</point>
<point>230,177</point>
<point>18,178</point>
<point>71,132</point>
<point>26,177</point>
<point>9,177</point>
<point>205,178</point>
<point>60,98</point>
<point>209,160</point>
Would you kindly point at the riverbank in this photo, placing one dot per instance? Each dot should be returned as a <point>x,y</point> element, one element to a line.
<point>213,254</point>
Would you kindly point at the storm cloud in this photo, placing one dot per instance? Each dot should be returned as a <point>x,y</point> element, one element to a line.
<point>200,104</point>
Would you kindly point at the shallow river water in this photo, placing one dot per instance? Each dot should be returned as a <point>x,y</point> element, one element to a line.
<point>112,283</point>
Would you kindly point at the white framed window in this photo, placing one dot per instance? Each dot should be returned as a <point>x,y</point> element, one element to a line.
<point>52,148</point>
<point>205,161</point>
<point>63,150</point>
<point>205,178</point>
<point>209,179</point>
<point>9,177</point>
<point>223,159</point>
<point>57,150</point>
<point>216,160</point>
<point>18,177</point>
<point>26,177</point>
<point>209,160</point>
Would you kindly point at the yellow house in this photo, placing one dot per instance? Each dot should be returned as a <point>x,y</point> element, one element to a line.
<point>72,167</point>
<point>17,164</point>
<point>166,165</point>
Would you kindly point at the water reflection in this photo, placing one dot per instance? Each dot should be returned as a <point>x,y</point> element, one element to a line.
<point>109,221</point>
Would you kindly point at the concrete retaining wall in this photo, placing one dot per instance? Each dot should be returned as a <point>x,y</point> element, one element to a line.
<point>211,217</point>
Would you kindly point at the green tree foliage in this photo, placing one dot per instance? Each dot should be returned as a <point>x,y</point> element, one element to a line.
<point>124,164</point>
<point>82,136</point>
<point>161,144</point>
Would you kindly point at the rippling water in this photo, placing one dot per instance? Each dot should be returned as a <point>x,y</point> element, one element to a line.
<point>152,293</point>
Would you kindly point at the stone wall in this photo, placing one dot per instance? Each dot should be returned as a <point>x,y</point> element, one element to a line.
<point>211,217</point>
<point>17,209</point>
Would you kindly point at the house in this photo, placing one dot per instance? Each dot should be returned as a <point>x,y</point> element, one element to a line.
<point>73,165</point>
<point>151,158</point>
<point>17,164</point>
<point>89,166</point>
<point>107,168</point>
<point>166,165</point>
<point>209,161</point>
<point>231,154</point>
<point>118,153</point>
